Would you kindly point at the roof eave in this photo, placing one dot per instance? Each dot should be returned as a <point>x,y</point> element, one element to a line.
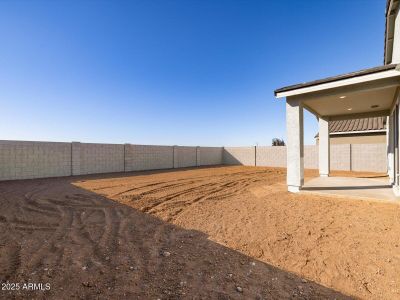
<point>366,75</point>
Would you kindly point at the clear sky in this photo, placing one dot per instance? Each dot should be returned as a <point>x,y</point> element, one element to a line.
<point>185,72</point>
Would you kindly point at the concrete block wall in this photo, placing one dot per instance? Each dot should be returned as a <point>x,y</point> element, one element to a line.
<point>369,157</point>
<point>239,156</point>
<point>185,156</point>
<point>275,156</point>
<point>76,158</point>
<point>198,157</point>
<point>145,157</point>
<point>311,157</point>
<point>90,158</point>
<point>340,157</point>
<point>268,156</point>
<point>346,157</point>
<point>207,156</point>
<point>26,160</point>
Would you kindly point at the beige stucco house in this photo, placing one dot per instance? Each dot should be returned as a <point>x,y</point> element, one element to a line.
<point>357,131</point>
<point>366,93</point>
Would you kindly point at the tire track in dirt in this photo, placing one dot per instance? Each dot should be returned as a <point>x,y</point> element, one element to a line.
<point>153,191</point>
<point>41,255</point>
<point>10,259</point>
<point>177,201</point>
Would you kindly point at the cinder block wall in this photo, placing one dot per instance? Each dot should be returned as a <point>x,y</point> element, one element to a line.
<point>275,156</point>
<point>311,157</point>
<point>145,157</point>
<point>346,157</point>
<point>97,158</point>
<point>185,156</point>
<point>26,160</point>
<point>210,156</point>
<point>340,157</point>
<point>239,156</point>
<point>369,157</point>
<point>268,156</point>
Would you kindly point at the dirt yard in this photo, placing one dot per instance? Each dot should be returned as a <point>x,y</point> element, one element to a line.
<point>219,233</point>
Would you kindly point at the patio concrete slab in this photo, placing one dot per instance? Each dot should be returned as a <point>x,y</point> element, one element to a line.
<point>372,188</point>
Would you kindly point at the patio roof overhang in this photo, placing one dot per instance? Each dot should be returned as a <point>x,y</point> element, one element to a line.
<point>366,93</point>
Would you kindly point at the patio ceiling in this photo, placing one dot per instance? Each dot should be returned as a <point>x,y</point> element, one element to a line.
<point>371,102</point>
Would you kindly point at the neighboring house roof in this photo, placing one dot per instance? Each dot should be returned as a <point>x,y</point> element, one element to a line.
<point>336,78</point>
<point>361,126</point>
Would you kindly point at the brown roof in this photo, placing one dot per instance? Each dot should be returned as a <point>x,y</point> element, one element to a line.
<point>356,125</point>
<point>336,78</point>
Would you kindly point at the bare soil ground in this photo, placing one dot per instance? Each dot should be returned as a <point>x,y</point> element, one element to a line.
<point>219,233</point>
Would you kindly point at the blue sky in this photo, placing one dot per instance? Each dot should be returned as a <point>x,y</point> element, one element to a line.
<point>186,72</point>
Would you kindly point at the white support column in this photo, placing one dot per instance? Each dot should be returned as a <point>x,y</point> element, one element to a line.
<point>390,147</point>
<point>324,147</point>
<point>295,145</point>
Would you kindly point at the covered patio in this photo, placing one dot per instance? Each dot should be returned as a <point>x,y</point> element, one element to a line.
<point>367,93</point>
